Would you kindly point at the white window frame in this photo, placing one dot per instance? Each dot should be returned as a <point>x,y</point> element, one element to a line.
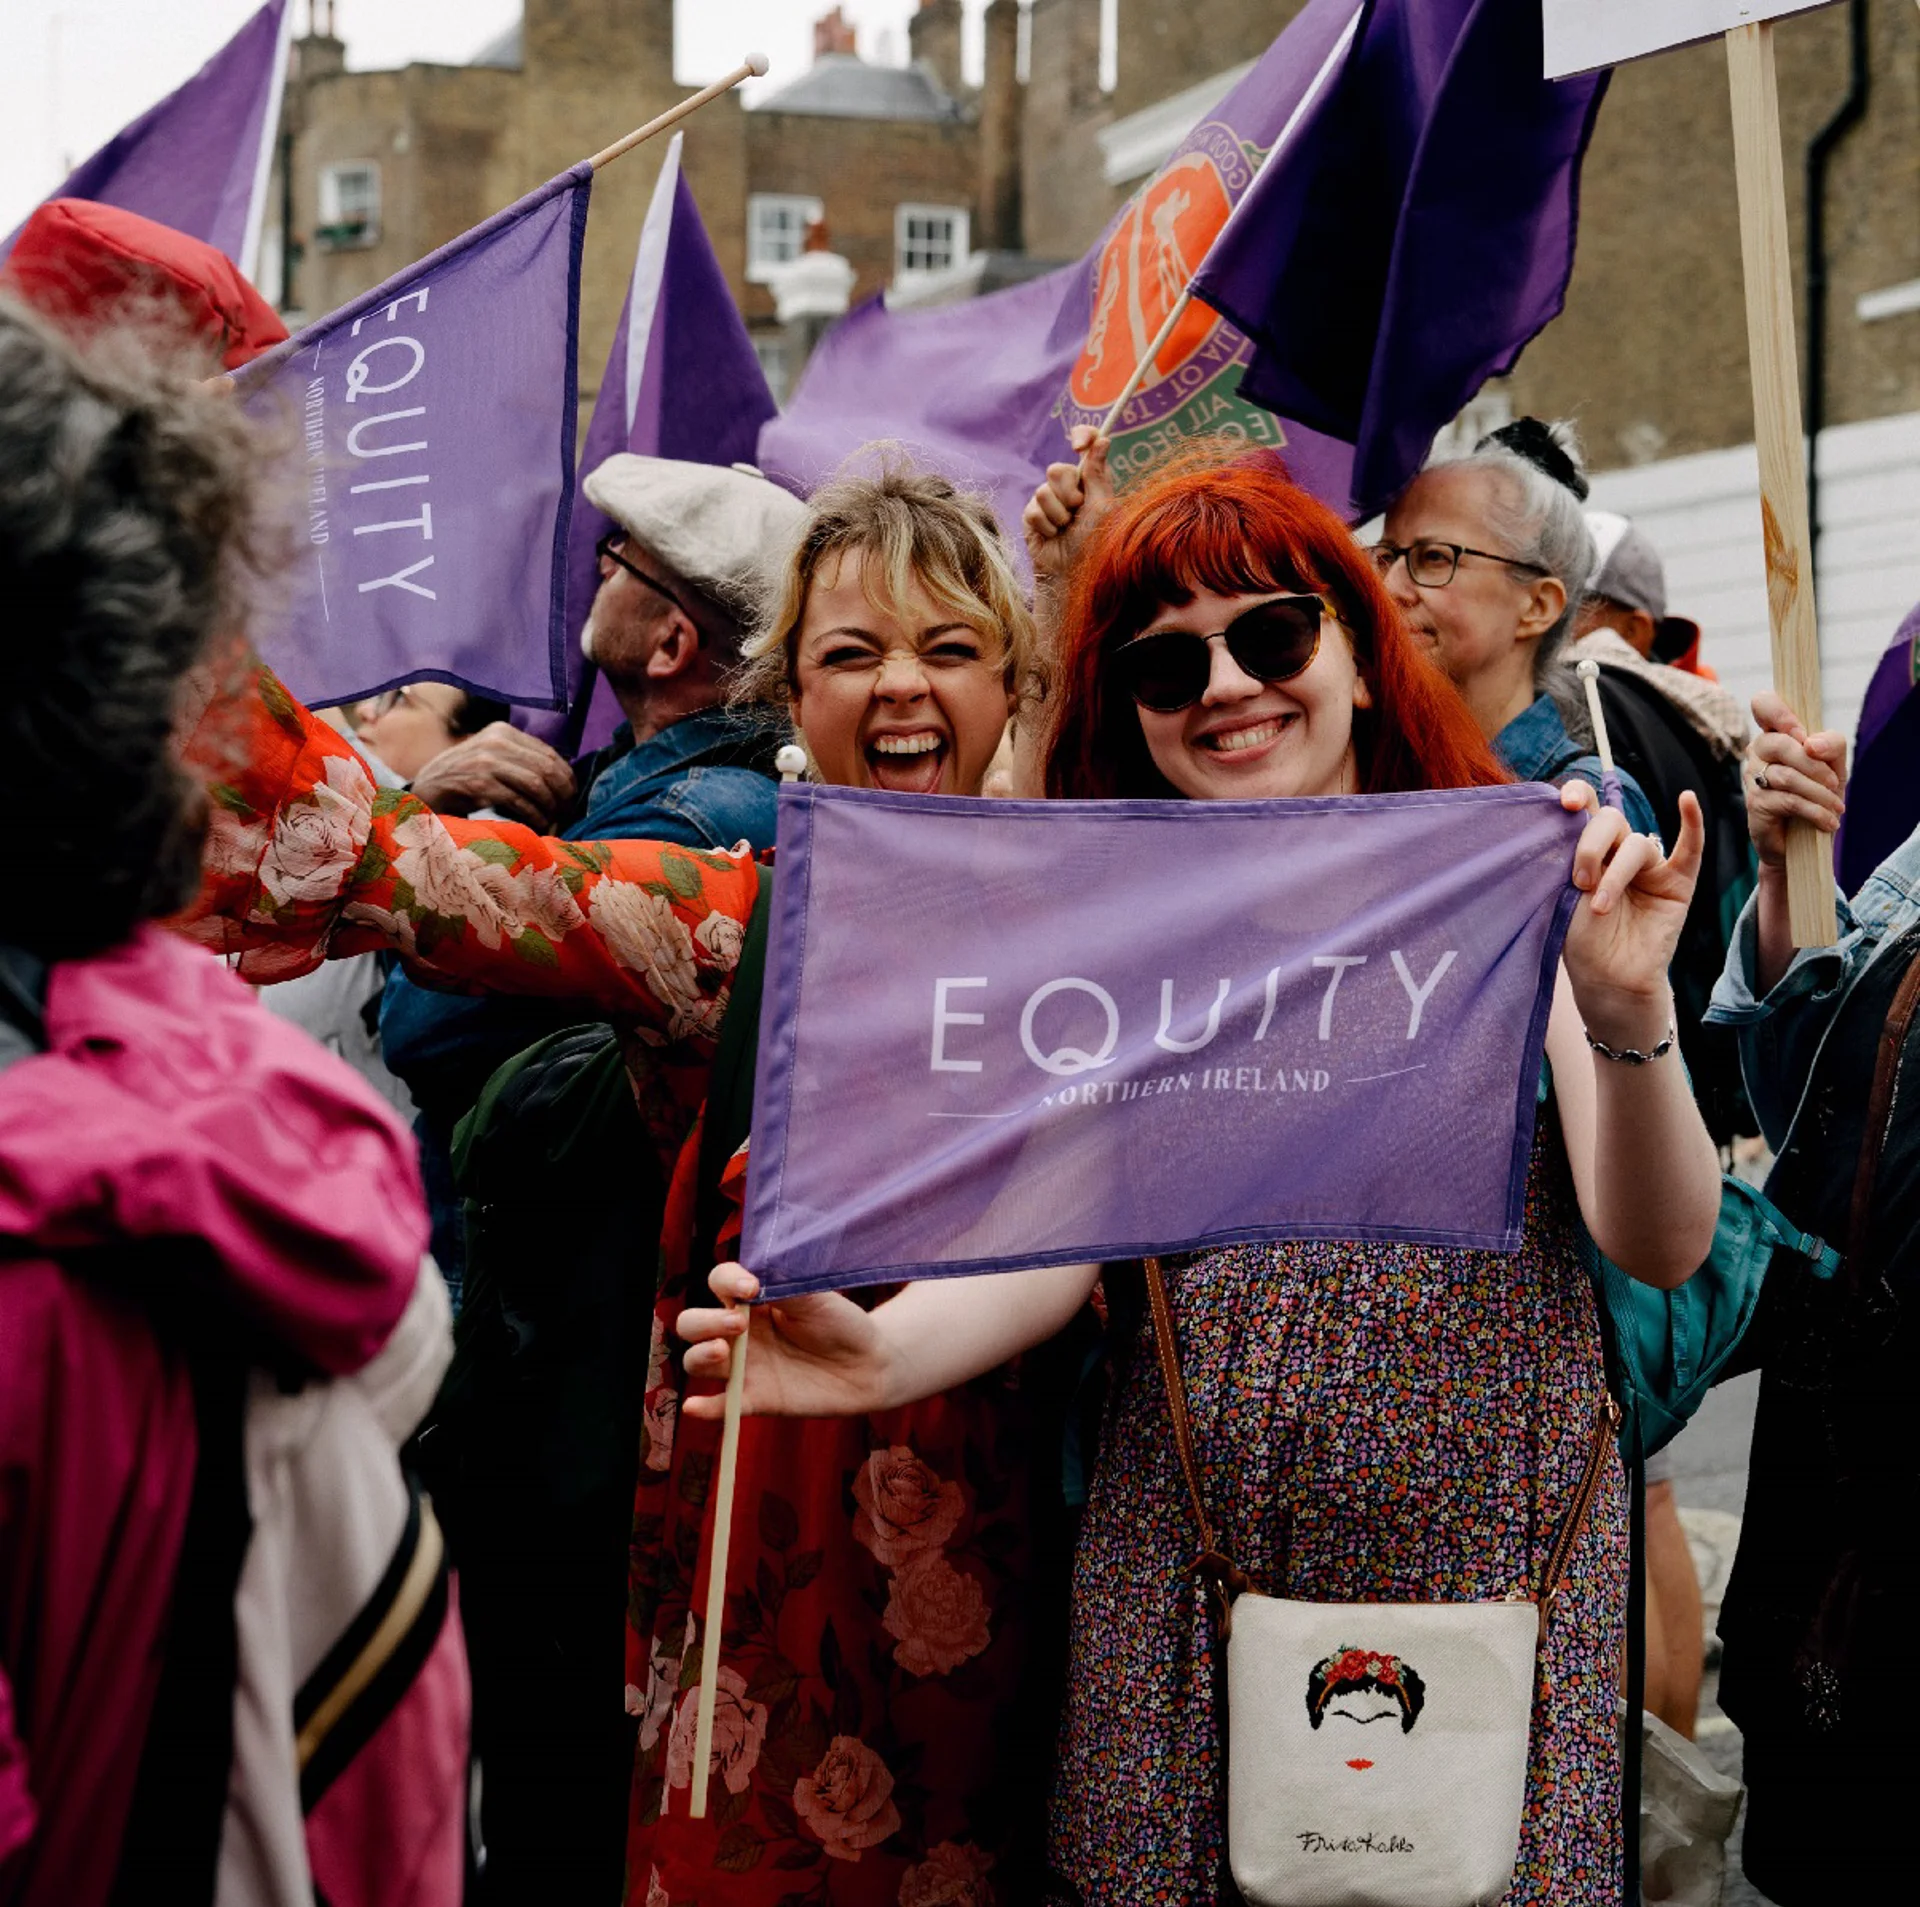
<point>776,220</point>
<point>342,225</point>
<point>905,268</point>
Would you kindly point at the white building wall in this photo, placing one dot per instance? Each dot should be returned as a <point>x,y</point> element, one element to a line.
<point>1703,515</point>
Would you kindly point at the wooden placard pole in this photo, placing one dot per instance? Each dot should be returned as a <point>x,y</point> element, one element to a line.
<point>1778,437</point>
<point>752,67</point>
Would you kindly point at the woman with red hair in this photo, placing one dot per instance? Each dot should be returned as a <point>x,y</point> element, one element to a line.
<point>1374,1421</point>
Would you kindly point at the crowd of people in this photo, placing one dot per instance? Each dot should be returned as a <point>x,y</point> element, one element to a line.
<point>360,1439</point>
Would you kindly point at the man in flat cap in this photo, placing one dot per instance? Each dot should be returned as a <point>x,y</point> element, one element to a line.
<point>691,548</point>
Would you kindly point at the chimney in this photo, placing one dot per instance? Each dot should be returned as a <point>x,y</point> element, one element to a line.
<point>1001,115</point>
<point>934,37</point>
<point>832,33</point>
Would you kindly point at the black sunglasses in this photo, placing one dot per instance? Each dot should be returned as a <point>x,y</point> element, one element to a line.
<point>605,552</point>
<point>1167,670</point>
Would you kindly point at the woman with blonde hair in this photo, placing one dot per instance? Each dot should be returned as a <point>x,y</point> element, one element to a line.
<point>871,1745</point>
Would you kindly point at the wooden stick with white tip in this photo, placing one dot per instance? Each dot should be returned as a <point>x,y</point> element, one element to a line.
<point>752,67</point>
<point>791,762</point>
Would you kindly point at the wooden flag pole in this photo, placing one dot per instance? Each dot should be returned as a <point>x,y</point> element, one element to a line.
<point>791,764</point>
<point>752,67</point>
<point>1786,532</point>
<point>1177,311</point>
<point>717,1582</point>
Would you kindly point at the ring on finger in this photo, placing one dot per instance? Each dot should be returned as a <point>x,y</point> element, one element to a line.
<point>1760,780</point>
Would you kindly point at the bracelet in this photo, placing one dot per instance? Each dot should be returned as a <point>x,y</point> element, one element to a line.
<point>1627,1055</point>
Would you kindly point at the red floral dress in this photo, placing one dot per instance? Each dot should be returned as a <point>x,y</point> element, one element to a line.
<point>876,1739</point>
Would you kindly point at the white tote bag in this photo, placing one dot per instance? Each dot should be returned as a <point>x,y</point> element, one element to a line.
<point>1376,1752</point>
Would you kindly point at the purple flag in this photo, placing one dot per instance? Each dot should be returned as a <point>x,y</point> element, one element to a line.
<point>199,160</point>
<point>1378,238</point>
<point>1883,791</point>
<point>1016,1033</point>
<point>436,416</point>
<point>1417,239</point>
<point>681,381</point>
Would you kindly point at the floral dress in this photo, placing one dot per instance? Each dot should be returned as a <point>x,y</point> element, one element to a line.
<point>877,1742</point>
<point>1404,1423</point>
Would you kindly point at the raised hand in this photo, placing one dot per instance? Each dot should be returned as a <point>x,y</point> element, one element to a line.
<point>1625,928</point>
<point>1790,775</point>
<point>1064,510</point>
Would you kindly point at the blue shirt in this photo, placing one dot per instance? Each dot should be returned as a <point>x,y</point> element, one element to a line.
<point>1535,746</point>
<point>1780,1034</point>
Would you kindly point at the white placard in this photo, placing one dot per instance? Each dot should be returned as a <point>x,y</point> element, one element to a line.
<point>1584,34</point>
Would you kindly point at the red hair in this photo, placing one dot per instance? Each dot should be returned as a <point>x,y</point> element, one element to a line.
<point>1234,523</point>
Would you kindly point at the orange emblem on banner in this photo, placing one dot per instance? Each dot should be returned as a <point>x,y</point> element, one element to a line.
<point>1147,263</point>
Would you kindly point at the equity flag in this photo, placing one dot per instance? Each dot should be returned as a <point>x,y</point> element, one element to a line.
<point>1347,109</point>
<point>682,380</point>
<point>1104,1029</point>
<point>1440,208</point>
<point>199,160</point>
<point>436,423</point>
<point>1883,789</point>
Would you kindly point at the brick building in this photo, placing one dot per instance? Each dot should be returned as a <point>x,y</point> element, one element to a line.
<point>936,188</point>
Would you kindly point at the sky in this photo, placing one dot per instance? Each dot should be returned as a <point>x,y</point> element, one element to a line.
<point>73,72</point>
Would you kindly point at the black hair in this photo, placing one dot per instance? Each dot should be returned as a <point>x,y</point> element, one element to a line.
<point>1406,1689</point>
<point>128,536</point>
<point>474,712</point>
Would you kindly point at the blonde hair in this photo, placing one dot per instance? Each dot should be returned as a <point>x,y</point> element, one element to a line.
<point>921,528</point>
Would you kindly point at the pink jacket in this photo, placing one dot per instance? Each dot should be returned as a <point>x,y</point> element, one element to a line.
<point>167,1105</point>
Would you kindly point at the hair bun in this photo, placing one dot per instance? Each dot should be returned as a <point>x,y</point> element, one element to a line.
<point>1547,447</point>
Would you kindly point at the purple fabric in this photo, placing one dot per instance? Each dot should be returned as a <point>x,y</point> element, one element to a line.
<point>941,1089</point>
<point>193,161</point>
<point>1418,237</point>
<point>1883,792</point>
<point>702,398</point>
<point>987,390</point>
<point>1412,232</point>
<point>436,415</point>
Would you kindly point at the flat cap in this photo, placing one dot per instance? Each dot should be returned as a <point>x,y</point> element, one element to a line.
<point>721,529</point>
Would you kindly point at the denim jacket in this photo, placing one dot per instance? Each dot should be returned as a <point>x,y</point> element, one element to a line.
<point>1780,1035</point>
<point>1535,746</point>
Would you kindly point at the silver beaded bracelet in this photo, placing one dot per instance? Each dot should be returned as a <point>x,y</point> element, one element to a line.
<point>1627,1054</point>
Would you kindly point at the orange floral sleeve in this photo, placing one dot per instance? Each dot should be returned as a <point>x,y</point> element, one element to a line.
<point>307,860</point>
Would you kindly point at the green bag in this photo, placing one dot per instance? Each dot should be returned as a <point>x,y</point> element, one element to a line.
<point>1666,1349</point>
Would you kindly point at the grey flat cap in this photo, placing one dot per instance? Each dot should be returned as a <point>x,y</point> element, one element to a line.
<point>722,530</point>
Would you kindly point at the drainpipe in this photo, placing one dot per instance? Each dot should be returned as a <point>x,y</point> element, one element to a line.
<point>1820,153</point>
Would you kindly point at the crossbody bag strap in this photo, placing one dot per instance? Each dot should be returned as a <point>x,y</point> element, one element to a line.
<point>1873,1136</point>
<point>1223,1578</point>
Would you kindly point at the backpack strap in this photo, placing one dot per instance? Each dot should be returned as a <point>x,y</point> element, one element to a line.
<point>1886,1083</point>
<point>728,1115</point>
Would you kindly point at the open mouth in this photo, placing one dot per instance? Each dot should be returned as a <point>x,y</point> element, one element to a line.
<point>1250,740</point>
<point>907,764</point>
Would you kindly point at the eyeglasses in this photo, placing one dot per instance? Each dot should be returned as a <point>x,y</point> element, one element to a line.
<point>1433,564</point>
<point>1167,670</point>
<point>605,552</point>
<point>388,700</point>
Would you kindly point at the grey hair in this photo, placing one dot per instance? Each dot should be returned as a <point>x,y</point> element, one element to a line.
<point>1540,521</point>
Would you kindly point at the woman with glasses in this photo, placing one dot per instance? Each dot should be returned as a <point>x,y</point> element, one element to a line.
<point>407,727</point>
<point>1375,1421</point>
<point>1488,558</point>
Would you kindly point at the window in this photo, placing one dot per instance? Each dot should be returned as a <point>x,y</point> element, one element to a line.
<point>928,238</point>
<point>349,206</point>
<point>776,224</point>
